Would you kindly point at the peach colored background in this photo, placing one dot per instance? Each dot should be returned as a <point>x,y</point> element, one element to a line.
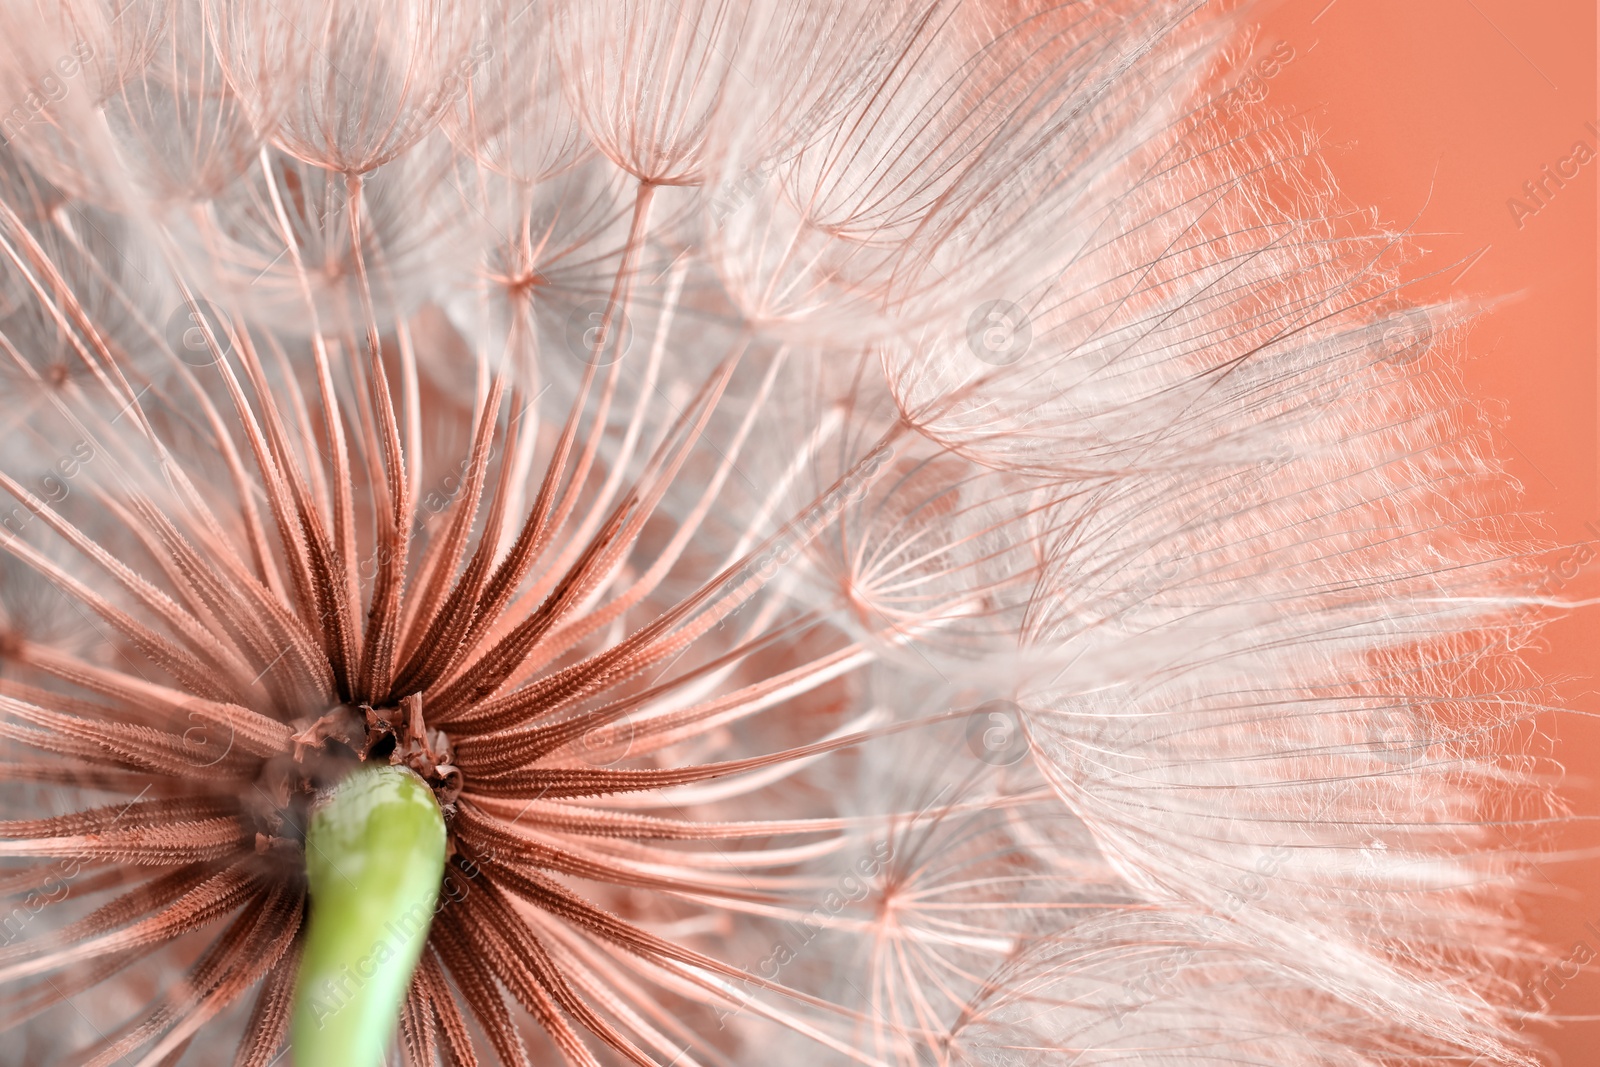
<point>1439,111</point>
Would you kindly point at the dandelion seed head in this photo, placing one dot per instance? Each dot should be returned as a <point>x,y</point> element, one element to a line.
<point>893,535</point>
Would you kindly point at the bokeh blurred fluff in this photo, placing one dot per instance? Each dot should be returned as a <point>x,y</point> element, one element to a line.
<point>901,533</point>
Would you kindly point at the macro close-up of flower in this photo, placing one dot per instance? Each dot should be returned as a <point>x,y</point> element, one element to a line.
<point>725,532</point>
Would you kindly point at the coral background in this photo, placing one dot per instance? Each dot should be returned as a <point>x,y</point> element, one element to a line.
<point>1438,111</point>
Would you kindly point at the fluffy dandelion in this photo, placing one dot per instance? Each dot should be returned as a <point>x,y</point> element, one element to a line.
<point>622,531</point>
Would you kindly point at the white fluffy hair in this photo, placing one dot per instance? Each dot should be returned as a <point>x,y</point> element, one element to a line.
<point>900,533</point>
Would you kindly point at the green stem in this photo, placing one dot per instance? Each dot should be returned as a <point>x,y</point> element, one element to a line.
<point>375,855</point>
